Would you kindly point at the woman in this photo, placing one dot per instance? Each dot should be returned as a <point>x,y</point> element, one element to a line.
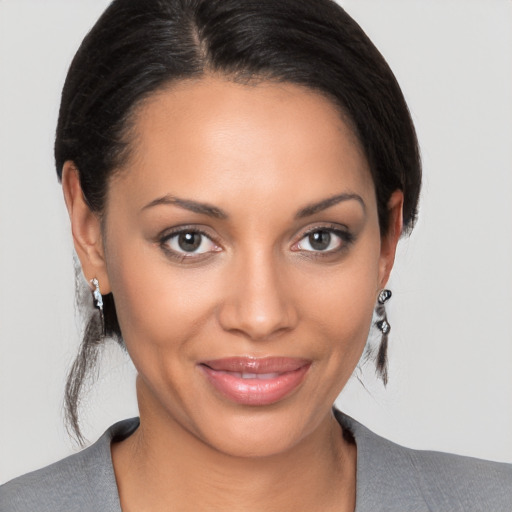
<point>237,177</point>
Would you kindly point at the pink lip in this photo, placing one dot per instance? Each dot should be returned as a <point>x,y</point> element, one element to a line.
<point>266,381</point>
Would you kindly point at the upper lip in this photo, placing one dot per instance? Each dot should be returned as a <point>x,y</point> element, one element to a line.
<point>257,364</point>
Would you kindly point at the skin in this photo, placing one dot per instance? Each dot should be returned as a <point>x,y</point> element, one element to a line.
<point>261,154</point>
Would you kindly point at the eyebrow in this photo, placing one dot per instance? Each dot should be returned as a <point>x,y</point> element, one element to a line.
<point>213,211</point>
<point>313,208</point>
<point>188,204</point>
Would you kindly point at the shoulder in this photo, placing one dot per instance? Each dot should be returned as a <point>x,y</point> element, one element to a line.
<point>84,481</point>
<point>390,476</point>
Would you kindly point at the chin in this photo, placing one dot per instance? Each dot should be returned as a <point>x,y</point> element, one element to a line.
<point>260,431</point>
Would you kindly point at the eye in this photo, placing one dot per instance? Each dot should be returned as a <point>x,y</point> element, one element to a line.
<point>323,240</point>
<point>189,242</point>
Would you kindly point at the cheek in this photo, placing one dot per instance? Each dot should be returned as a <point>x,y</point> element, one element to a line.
<point>342,324</point>
<point>338,304</point>
<point>156,302</point>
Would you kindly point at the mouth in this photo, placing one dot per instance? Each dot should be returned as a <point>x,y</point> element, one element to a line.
<point>255,381</point>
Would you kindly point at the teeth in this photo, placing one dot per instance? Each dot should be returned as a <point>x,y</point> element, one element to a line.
<point>260,376</point>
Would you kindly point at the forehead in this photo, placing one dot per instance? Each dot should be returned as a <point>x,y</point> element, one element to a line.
<point>212,137</point>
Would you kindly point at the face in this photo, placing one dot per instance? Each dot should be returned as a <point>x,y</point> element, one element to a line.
<point>241,243</point>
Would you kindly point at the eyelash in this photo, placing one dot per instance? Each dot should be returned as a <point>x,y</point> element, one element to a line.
<point>344,235</point>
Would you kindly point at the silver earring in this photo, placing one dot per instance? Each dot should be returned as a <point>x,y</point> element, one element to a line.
<point>384,327</point>
<point>98,302</point>
<point>384,296</point>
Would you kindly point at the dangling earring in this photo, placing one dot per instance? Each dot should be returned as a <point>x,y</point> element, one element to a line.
<point>384,327</point>
<point>98,302</point>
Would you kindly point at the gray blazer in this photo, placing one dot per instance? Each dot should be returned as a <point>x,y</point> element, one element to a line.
<point>389,478</point>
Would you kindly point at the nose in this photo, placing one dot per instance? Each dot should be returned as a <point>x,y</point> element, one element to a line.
<point>258,305</point>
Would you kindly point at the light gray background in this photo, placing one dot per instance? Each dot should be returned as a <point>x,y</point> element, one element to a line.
<point>451,343</point>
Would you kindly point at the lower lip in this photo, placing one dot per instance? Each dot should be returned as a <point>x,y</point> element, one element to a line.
<point>255,391</point>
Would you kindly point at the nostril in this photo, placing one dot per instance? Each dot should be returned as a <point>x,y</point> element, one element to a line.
<point>258,305</point>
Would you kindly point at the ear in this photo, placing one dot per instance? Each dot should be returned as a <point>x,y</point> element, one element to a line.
<point>85,227</point>
<point>390,239</point>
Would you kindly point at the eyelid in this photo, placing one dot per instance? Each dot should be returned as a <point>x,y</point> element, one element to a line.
<point>186,228</point>
<point>332,228</point>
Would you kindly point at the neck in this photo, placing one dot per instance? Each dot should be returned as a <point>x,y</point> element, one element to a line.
<point>164,463</point>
